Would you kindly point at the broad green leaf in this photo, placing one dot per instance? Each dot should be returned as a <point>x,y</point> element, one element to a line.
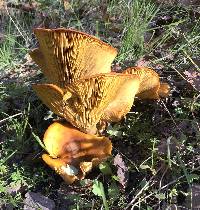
<point>97,188</point>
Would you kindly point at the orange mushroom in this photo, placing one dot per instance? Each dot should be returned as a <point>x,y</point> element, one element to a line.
<point>72,153</point>
<point>65,55</point>
<point>84,102</point>
<point>73,61</point>
<point>150,86</point>
<point>85,92</point>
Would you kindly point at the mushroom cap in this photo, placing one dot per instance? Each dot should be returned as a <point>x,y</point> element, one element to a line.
<point>62,138</point>
<point>60,167</point>
<point>150,86</point>
<point>83,102</point>
<point>73,153</point>
<point>65,55</point>
<point>38,57</point>
<point>122,102</point>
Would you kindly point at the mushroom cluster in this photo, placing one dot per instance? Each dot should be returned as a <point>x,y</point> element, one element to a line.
<point>82,89</point>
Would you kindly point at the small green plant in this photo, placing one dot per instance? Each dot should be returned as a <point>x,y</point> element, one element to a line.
<point>17,129</point>
<point>9,52</point>
<point>98,190</point>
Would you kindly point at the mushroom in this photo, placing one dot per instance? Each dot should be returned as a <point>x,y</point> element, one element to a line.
<point>65,55</point>
<point>84,102</point>
<point>72,153</point>
<point>150,86</point>
<point>83,90</point>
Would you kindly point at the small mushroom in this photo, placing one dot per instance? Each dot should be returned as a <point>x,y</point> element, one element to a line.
<point>150,86</point>
<point>72,153</point>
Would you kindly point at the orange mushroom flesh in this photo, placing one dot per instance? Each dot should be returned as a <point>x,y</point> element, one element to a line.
<point>150,86</point>
<point>65,55</point>
<point>72,153</point>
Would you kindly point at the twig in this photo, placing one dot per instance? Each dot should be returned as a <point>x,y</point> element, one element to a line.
<point>163,187</point>
<point>184,78</point>
<point>149,183</point>
<point>10,117</point>
<point>139,193</point>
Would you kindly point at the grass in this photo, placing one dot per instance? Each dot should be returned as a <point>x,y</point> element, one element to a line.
<point>158,140</point>
<point>136,20</point>
<point>7,53</point>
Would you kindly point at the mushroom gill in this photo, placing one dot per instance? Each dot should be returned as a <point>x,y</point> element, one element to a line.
<point>72,153</point>
<point>65,55</point>
<point>83,102</point>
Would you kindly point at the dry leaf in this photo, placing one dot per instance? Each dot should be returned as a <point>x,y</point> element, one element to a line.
<point>122,170</point>
<point>193,78</point>
<point>35,201</point>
